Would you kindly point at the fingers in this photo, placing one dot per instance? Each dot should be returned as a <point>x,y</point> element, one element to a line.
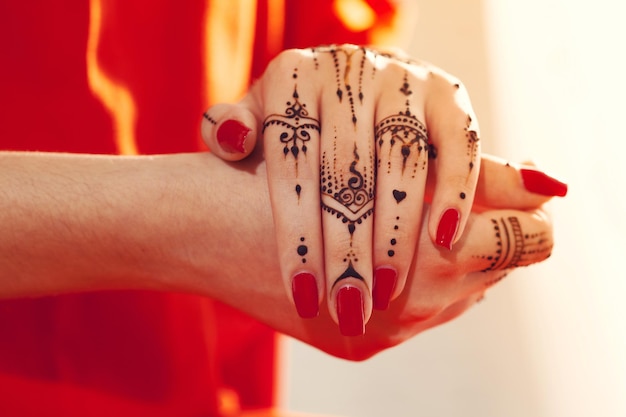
<point>347,184</point>
<point>453,130</point>
<point>291,133</point>
<point>502,184</point>
<point>230,130</point>
<point>499,240</point>
<point>402,167</point>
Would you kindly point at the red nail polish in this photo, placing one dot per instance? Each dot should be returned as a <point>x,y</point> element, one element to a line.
<point>385,279</point>
<point>232,135</point>
<point>448,225</point>
<point>540,183</point>
<point>350,311</point>
<point>305,295</point>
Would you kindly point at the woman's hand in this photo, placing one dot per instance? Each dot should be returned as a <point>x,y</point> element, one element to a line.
<point>238,265</point>
<point>357,130</point>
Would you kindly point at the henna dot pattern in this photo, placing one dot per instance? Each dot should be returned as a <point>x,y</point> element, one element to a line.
<point>348,198</point>
<point>302,250</point>
<point>208,117</point>
<point>342,62</point>
<point>472,143</point>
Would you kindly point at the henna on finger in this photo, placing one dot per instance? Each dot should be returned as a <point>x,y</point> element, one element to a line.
<point>288,138</point>
<point>350,199</point>
<point>515,248</point>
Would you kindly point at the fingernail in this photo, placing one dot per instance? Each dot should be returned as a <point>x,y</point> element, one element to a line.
<point>447,228</point>
<point>385,279</point>
<point>350,311</point>
<point>232,135</point>
<point>305,295</point>
<point>540,183</point>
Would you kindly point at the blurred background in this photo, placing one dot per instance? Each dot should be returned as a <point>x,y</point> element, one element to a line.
<point>547,80</point>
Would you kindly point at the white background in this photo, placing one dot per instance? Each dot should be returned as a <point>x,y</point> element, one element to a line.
<point>548,82</point>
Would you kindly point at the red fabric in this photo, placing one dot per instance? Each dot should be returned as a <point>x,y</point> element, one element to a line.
<point>125,353</point>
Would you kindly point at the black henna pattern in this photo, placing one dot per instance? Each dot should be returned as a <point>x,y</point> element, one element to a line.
<point>296,124</point>
<point>513,247</point>
<point>296,128</point>
<point>343,67</point>
<point>472,143</point>
<point>350,200</point>
<point>208,117</point>
<point>405,131</point>
<point>302,250</point>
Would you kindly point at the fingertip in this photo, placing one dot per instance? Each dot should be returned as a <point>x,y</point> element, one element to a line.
<point>448,228</point>
<point>305,294</point>
<point>385,282</point>
<point>232,136</point>
<point>229,131</point>
<point>350,311</point>
<point>539,182</point>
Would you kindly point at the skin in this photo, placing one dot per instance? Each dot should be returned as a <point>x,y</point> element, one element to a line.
<point>368,134</point>
<point>71,223</point>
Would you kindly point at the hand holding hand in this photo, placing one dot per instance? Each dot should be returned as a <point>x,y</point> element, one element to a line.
<point>356,130</point>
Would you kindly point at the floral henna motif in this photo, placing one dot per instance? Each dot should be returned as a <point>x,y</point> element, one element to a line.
<point>296,124</point>
<point>405,132</point>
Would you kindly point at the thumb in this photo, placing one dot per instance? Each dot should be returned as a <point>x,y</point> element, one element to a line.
<point>229,130</point>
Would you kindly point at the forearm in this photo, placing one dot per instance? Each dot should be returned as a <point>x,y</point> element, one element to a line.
<point>186,222</point>
<point>83,222</point>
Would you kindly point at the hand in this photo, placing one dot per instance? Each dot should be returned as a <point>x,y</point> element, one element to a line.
<point>355,129</point>
<point>441,284</point>
<point>160,223</point>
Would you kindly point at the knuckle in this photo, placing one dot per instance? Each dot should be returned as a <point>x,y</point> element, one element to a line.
<point>284,62</point>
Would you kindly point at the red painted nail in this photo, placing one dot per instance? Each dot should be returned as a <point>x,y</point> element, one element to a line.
<point>305,295</point>
<point>350,311</point>
<point>232,135</point>
<point>448,225</point>
<point>385,279</point>
<point>540,183</point>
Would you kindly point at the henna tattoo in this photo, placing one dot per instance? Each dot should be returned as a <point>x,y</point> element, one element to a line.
<point>302,250</point>
<point>296,124</point>
<point>346,76</point>
<point>351,201</point>
<point>513,247</point>
<point>472,143</point>
<point>343,68</point>
<point>405,130</point>
<point>208,117</point>
<point>296,128</point>
<point>399,195</point>
<point>393,241</point>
